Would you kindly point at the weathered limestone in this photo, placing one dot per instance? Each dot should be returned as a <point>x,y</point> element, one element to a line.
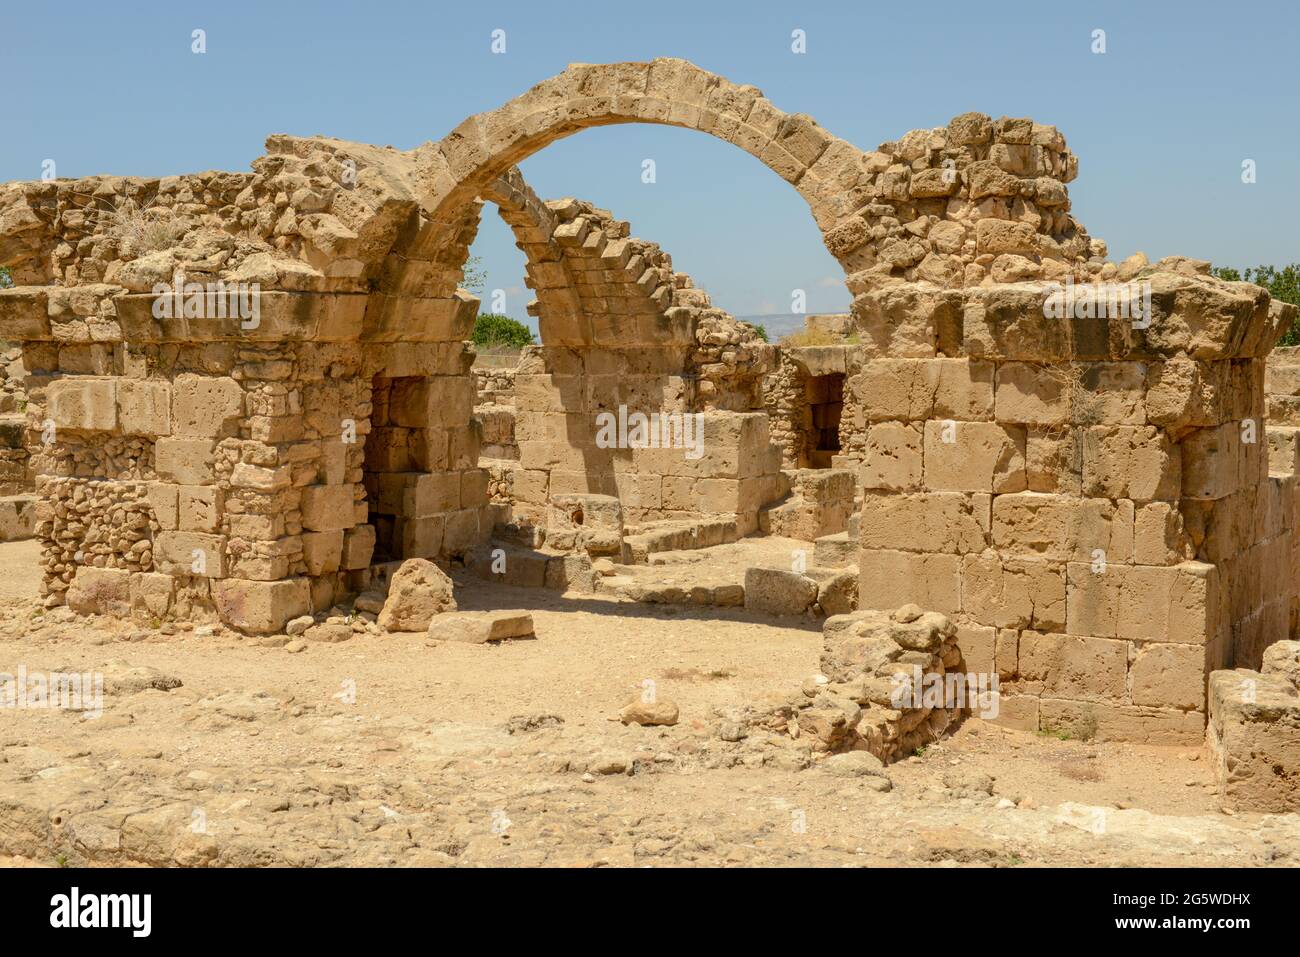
<point>1254,733</point>
<point>247,392</point>
<point>1069,491</point>
<point>482,626</point>
<point>418,592</point>
<point>882,686</point>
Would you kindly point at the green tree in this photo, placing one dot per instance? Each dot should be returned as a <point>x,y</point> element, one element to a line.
<point>6,279</point>
<point>494,329</point>
<point>1283,284</point>
<point>760,331</point>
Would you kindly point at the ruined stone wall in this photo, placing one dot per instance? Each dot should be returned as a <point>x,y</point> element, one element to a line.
<point>1079,494</point>
<point>1282,395</point>
<point>977,201</point>
<point>203,463</point>
<point>787,401</point>
<point>622,333</point>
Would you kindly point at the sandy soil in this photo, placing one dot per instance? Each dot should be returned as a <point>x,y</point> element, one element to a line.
<point>387,749</point>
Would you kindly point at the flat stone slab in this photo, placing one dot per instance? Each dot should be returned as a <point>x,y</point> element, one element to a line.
<point>477,627</point>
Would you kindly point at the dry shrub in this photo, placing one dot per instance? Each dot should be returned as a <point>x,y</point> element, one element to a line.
<point>141,231</point>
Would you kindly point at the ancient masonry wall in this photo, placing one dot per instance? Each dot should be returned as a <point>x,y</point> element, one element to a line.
<point>624,334</point>
<point>1282,395</point>
<point>261,494</point>
<point>1090,501</point>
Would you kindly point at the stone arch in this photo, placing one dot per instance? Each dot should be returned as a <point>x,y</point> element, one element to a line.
<point>620,329</point>
<point>827,172</point>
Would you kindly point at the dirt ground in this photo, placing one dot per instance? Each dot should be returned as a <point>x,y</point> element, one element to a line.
<point>390,750</point>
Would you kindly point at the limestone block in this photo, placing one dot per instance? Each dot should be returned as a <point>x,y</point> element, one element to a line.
<point>974,456</point>
<point>327,507</point>
<point>1159,537</point>
<point>199,508</point>
<point>17,517</point>
<point>1283,658</point>
<point>1107,721</point>
<point>420,537</point>
<point>358,547</point>
<point>1008,321</point>
<point>1014,592</point>
<point>462,531</point>
<point>1254,740</point>
<point>571,573</point>
<point>1017,711</point>
<point>151,594</point>
<point>1002,236</point>
<point>206,406</point>
<point>419,590</point>
<point>100,591</point>
<point>184,461</point>
<point>164,501</point>
<point>914,389</point>
<point>1211,466</point>
<point>837,593</point>
<point>482,626</point>
<point>322,552</point>
<point>261,607</point>
<point>419,495</point>
<point>1175,603</point>
<point>1073,667</point>
<point>1283,449</point>
<point>1138,462</point>
<point>190,553</point>
<point>947,522</point>
<point>144,406</point>
<point>890,579</point>
<point>773,591</point>
<point>1033,393</point>
<point>1167,675</point>
<point>1111,393</point>
<point>835,551</point>
<point>1063,527</point>
<point>893,457</point>
<point>260,478</point>
<point>1052,461</point>
<point>83,404</point>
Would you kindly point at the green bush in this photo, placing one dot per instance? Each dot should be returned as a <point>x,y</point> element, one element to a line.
<point>6,280</point>
<point>761,331</point>
<point>1283,284</point>
<point>494,329</point>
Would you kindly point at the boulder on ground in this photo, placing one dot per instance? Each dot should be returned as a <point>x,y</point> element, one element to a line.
<point>419,591</point>
<point>855,764</point>
<point>477,627</point>
<point>661,711</point>
<point>773,591</point>
<point>329,632</point>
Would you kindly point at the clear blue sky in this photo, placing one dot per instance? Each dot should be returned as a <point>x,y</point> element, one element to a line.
<point>1161,121</point>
